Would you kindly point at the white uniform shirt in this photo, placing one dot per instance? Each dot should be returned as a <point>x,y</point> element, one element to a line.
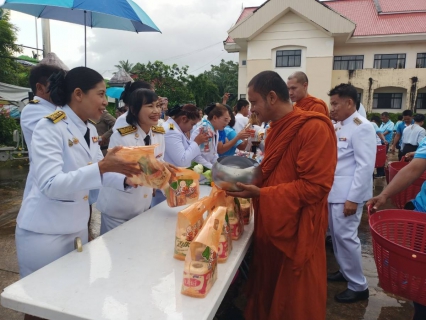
<point>376,129</point>
<point>127,205</point>
<point>413,135</point>
<point>65,169</point>
<point>356,157</point>
<point>30,116</point>
<point>120,122</point>
<point>240,122</point>
<point>180,151</point>
<point>207,159</point>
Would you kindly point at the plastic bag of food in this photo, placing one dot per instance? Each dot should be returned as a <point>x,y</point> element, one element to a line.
<point>236,220</point>
<point>189,223</point>
<point>218,198</point>
<point>154,173</point>
<point>200,272</point>
<point>183,189</point>
<point>246,209</point>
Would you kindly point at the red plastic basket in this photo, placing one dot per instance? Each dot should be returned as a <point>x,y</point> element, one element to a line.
<point>380,157</point>
<point>399,244</point>
<point>400,199</point>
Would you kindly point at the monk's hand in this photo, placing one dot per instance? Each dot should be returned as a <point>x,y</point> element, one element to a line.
<point>349,208</point>
<point>375,203</point>
<point>249,191</point>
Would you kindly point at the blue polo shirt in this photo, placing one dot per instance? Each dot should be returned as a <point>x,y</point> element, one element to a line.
<point>400,129</point>
<point>388,126</point>
<point>229,133</point>
<point>420,201</point>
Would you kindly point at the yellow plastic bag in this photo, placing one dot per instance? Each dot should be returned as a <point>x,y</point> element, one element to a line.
<point>218,198</point>
<point>189,222</point>
<point>183,189</point>
<point>200,271</point>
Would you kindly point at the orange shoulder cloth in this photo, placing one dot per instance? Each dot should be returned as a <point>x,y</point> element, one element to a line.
<point>281,133</point>
<point>311,103</point>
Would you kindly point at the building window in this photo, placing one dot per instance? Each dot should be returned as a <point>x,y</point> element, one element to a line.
<point>289,58</point>
<point>243,62</point>
<point>359,96</point>
<point>387,101</point>
<point>348,62</point>
<point>242,96</point>
<point>421,60</point>
<point>389,61</point>
<point>421,101</point>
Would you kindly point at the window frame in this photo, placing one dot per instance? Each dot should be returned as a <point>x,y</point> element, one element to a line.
<point>340,60</point>
<point>420,65</point>
<point>391,99</point>
<point>282,56</point>
<point>379,60</point>
<point>422,99</point>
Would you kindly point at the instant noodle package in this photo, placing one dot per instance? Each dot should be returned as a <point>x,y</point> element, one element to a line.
<point>154,173</point>
<point>189,223</point>
<point>246,209</point>
<point>183,189</point>
<point>200,271</point>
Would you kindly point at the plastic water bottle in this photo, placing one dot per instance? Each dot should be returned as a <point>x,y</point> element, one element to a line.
<point>205,146</point>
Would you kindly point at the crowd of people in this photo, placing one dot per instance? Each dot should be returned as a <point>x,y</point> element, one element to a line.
<point>317,167</point>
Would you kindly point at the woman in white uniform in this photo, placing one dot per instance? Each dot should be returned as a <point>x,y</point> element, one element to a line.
<point>141,129</point>
<point>218,118</point>
<point>125,96</point>
<point>68,163</point>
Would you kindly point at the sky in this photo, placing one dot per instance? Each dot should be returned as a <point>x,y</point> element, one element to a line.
<point>193,32</point>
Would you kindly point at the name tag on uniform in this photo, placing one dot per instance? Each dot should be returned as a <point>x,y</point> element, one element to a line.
<point>342,139</point>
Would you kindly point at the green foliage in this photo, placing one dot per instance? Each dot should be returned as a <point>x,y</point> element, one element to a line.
<point>169,81</point>
<point>203,89</point>
<point>10,71</point>
<point>111,108</point>
<point>7,126</point>
<point>125,65</point>
<point>225,77</point>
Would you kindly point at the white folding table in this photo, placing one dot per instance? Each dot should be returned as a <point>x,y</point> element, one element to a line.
<point>129,273</point>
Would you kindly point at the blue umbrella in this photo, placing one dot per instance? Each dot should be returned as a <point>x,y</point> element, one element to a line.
<point>110,14</point>
<point>114,92</point>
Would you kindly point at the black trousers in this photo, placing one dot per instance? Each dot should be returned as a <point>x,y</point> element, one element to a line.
<point>407,148</point>
<point>419,309</point>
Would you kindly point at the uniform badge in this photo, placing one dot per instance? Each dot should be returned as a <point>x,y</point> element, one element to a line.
<point>342,139</point>
<point>137,135</point>
<point>158,129</point>
<point>75,140</point>
<point>56,116</point>
<point>70,143</point>
<point>127,130</point>
<point>357,121</point>
<point>171,126</point>
<point>95,139</point>
<point>35,101</point>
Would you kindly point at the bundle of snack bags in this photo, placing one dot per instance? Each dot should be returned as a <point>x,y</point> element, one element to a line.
<point>183,189</point>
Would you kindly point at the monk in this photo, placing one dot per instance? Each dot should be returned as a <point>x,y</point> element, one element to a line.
<point>298,88</point>
<point>288,275</point>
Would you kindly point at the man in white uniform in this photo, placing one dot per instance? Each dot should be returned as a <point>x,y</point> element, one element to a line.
<point>36,109</point>
<point>353,185</point>
<point>241,118</point>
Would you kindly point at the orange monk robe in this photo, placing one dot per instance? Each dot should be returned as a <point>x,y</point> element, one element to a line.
<point>288,278</point>
<point>311,103</point>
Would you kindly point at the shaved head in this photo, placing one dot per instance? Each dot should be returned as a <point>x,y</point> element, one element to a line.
<point>297,84</point>
<point>299,76</point>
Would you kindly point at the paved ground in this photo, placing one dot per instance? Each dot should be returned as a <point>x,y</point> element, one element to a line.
<point>380,306</point>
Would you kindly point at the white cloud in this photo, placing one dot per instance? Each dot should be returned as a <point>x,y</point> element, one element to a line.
<point>186,25</point>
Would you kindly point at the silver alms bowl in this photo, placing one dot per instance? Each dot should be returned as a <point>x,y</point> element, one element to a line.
<point>229,170</point>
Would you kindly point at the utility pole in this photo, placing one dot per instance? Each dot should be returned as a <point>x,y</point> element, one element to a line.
<point>45,30</point>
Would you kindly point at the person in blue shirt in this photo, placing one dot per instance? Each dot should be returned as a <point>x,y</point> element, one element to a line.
<point>405,177</point>
<point>397,123</point>
<point>407,117</point>
<point>230,140</point>
<point>386,128</point>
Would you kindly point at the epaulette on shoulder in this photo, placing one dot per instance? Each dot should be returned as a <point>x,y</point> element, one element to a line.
<point>127,130</point>
<point>357,121</point>
<point>91,121</point>
<point>158,129</point>
<point>34,101</point>
<point>56,116</point>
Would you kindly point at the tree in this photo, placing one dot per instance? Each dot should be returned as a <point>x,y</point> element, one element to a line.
<point>10,71</point>
<point>225,77</point>
<point>125,65</point>
<point>169,81</point>
<point>204,90</point>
